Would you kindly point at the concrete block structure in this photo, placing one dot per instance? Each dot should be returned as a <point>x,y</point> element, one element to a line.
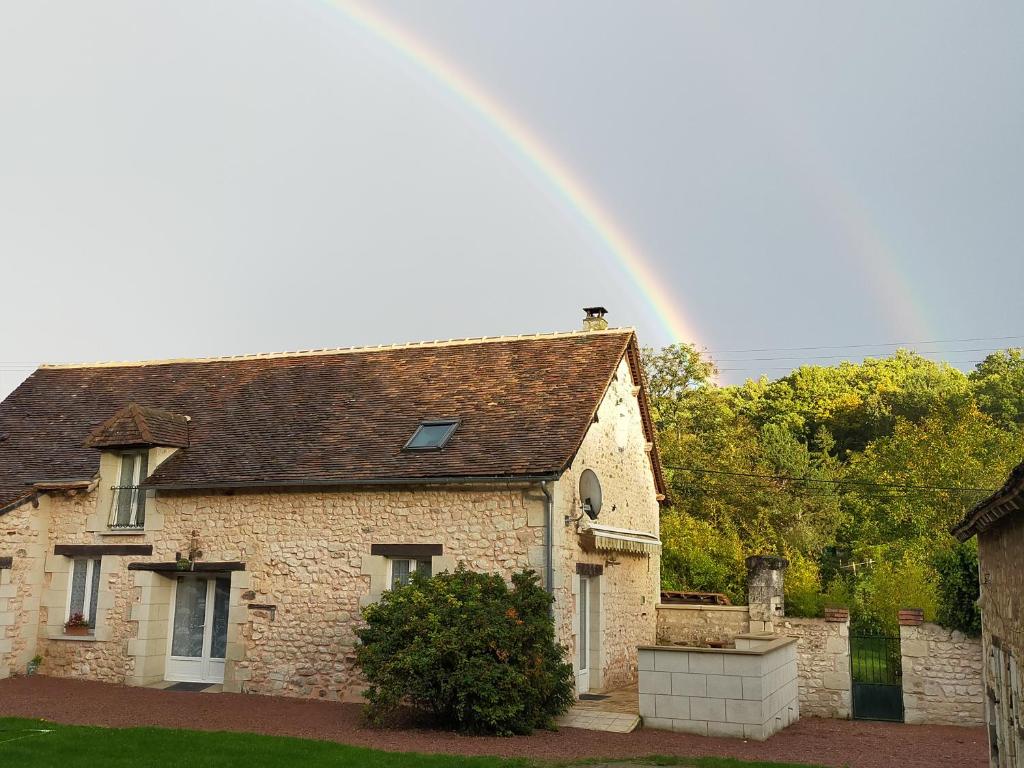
<point>749,691</point>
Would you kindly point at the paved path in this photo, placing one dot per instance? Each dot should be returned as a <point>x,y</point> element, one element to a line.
<point>824,742</point>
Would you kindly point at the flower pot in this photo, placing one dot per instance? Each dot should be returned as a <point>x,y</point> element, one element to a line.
<point>79,631</point>
<point>32,668</point>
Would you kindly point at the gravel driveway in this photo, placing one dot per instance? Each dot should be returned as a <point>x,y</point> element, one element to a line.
<point>826,742</point>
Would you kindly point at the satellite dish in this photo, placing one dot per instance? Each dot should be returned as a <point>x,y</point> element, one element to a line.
<point>590,493</point>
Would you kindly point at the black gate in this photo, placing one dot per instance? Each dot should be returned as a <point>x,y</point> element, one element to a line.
<point>877,677</point>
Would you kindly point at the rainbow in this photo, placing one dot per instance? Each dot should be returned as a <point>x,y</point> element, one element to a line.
<point>665,308</point>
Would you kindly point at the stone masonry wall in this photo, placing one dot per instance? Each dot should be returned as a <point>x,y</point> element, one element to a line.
<point>942,676</point>
<point>303,553</point>
<point>23,539</point>
<point>616,449</point>
<point>1002,585</point>
<point>823,665</point>
<point>701,624</point>
<point>1002,605</point>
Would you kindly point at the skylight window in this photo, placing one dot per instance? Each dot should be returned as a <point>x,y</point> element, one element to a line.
<point>432,435</point>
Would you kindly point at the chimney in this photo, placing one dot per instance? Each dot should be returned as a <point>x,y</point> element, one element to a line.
<point>594,321</point>
<point>765,590</point>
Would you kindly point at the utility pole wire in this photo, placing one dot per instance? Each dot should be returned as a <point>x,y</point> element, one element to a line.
<point>790,478</point>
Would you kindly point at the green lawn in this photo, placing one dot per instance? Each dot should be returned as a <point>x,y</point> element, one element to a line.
<point>30,743</point>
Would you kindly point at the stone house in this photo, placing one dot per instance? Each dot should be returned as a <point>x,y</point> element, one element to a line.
<point>224,520</point>
<point>998,522</point>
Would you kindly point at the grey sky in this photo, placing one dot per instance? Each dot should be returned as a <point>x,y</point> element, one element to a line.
<point>194,178</point>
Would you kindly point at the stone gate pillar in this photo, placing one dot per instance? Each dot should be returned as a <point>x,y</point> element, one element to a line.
<point>765,591</point>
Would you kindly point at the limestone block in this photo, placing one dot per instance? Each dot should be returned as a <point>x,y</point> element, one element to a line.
<point>744,711</point>
<point>836,681</point>
<point>707,709</point>
<point>735,664</point>
<point>724,687</point>
<point>655,682</point>
<point>726,730</point>
<point>689,684</point>
<point>672,661</point>
<point>646,705</point>
<point>673,707</point>
<point>697,727</point>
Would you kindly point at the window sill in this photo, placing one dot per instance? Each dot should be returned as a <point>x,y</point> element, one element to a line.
<point>123,532</point>
<point>74,638</point>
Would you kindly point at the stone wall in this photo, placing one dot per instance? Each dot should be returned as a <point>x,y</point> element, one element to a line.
<point>823,664</point>
<point>1002,605</point>
<point>616,449</point>
<point>942,676</point>
<point>23,537</point>
<point>303,553</point>
<point>701,624</point>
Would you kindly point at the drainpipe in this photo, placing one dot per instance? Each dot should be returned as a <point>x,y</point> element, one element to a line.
<point>549,544</point>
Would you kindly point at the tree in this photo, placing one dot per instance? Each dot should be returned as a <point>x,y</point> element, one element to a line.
<point>998,384</point>
<point>826,466</point>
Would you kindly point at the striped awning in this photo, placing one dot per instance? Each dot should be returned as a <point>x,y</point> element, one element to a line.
<point>604,538</point>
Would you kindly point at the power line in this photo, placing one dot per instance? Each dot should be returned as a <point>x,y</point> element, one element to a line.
<point>865,483</point>
<point>794,367</point>
<point>863,346</point>
<point>839,357</point>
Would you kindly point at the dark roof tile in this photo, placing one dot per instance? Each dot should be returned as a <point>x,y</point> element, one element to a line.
<point>333,417</point>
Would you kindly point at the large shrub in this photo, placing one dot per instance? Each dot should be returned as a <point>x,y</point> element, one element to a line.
<point>468,649</point>
<point>958,589</point>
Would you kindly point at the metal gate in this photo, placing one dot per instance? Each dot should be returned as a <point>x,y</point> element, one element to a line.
<point>877,674</point>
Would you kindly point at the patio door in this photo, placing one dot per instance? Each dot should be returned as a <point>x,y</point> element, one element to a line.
<point>199,630</point>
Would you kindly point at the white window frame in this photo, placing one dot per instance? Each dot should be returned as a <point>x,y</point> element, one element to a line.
<point>92,563</point>
<point>413,567</point>
<point>136,492</point>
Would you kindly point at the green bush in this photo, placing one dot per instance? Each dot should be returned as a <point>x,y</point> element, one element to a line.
<point>467,649</point>
<point>886,586</point>
<point>958,589</point>
<point>804,595</point>
<point>698,557</point>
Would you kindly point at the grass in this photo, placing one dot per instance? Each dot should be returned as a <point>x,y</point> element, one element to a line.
<point>31,743</point>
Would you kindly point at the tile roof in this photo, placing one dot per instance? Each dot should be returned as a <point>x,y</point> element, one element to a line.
<point>328,417</point>
<point>136,425</point>
<point>1007,500</point>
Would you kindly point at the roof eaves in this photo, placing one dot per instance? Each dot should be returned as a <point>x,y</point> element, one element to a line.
<point>631,352</point>
<point>17,501</point>
<point>354,482</point>
<point>1006,501</point>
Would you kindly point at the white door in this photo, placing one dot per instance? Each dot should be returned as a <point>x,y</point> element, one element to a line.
<point>199,630</point>
<point>583,639</point>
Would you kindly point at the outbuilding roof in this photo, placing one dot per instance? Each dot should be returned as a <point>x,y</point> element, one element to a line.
<point>523,406</point>
<point>1007,500</point>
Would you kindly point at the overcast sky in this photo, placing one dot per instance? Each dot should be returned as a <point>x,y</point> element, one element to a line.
<point>195,178</point>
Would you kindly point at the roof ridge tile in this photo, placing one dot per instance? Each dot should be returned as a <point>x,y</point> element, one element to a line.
<point>341,350</point>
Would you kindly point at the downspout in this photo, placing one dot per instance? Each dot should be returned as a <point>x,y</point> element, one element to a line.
<point>549,544</point>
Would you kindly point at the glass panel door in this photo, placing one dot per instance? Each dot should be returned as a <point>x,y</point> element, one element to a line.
<point>189,618</point>
<point>199,630</point>
<point>219,643</point>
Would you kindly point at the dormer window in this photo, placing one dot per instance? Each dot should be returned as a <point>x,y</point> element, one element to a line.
<point>432,435</point>
<point>128,509</point>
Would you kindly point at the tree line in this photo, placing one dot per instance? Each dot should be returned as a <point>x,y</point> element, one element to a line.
<point>855,472</point>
